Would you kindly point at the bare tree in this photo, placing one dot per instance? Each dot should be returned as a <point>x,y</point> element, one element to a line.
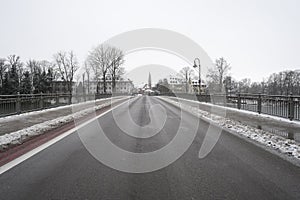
<point>67,65</point>
<point>15,62</point>
<point>87,70</point>
<point>289,81</point>
<point>217,75</point>
<point>3,68</point>
<point>186,73</point>
<point>106,60</point>
<point>244,85</point>
<point>100,63</point>
<point>34,69</point>
<point>116,58</point>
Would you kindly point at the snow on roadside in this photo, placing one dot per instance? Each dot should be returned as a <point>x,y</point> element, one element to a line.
<point>19,136</point>
<point>32,113</point>
<point>265,116</point>
<point>278,143</point>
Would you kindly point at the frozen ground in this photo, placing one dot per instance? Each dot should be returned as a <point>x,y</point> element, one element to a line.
<point>280,144</point>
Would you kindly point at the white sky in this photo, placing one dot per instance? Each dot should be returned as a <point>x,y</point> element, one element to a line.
<point>257,37</point>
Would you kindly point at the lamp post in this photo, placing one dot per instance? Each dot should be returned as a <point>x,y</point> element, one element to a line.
<point>197,60</point>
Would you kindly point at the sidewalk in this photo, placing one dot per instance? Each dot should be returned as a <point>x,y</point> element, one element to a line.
<point>14,123</point>
<point>276,125</point>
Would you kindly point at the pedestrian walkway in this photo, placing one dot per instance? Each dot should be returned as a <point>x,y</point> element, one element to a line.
<point>279,126</point>
<point>18,122</point>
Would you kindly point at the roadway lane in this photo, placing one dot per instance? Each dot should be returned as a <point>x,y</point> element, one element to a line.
<point>234,169</point>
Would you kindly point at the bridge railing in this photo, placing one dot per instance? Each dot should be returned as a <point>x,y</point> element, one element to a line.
<point>275,105</point>
<point>21,103</point>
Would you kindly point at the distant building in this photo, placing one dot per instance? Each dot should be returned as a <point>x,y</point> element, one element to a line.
<point>122,86</point>
<point>60,87</point>
<point>195,86</point>
<point>175,84</point>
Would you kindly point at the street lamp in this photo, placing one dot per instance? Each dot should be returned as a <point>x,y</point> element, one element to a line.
<point>197,60</point>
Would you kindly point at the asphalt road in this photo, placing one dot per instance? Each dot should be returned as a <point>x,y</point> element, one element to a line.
<point>234,169</point>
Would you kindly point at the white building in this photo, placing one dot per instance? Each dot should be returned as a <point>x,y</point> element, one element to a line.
<point>174,80</point>
<point>195,86</point>
<point>175,83</point>
<point>124,86</point>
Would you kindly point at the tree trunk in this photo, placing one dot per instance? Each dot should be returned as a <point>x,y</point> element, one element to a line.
<point>114,84</point>
<point>88,83</point>
<point>104,83</point>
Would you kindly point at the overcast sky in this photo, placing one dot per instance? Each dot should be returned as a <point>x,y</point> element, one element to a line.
<point>257,37</point>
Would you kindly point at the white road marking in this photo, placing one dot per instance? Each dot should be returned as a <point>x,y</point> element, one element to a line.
<point>36,150</point>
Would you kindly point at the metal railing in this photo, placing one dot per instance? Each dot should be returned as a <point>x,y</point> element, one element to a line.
<point>275,105</point>
<point>21,103</point>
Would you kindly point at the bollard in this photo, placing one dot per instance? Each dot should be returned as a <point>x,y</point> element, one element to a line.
<point>70,98</point>
<point>41,101</point>
<point>291,107</point>
<point>57,99</point>
<point>239,101</point>
<point>18,104</point>
<point>259,104</point>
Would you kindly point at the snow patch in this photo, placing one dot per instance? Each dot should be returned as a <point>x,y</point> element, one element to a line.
<point>280,144</point>
<point>20,136</point>
<point>32,113</point>
<point>262,115</point>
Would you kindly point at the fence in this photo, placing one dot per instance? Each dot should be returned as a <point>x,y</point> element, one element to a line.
<point>276,105</point>
<point>16,104</point>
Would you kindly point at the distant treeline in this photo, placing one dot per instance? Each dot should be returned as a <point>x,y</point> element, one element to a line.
<point>38,76</point>
<point>34,76</point>
<point>282,83</point>
<point>218,80</point>
<point>25,78</point>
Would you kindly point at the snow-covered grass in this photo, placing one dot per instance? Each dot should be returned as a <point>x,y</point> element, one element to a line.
<point>278,143</point>
<point>19,136</point>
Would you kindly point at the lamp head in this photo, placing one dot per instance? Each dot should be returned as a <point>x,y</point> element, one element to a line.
<point>195,62</point>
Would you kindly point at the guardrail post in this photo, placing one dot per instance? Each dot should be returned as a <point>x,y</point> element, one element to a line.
<point>57,99</point>
<point>239,101</point>
<point>70,98</point>
<point>291,107</point>
<point>259,100</point>
<point>41,101</point>
<point>18,103</point>
<point>225,100</point>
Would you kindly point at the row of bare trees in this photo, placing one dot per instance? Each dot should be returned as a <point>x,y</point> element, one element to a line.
<point>66,66</point>
<point>215,78</point>
<point>186,74</point>
<point>219,80</point>
<point>36,76</point>
<point>217,75</point>
<point>281,83</point>
<point>105,62</point>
